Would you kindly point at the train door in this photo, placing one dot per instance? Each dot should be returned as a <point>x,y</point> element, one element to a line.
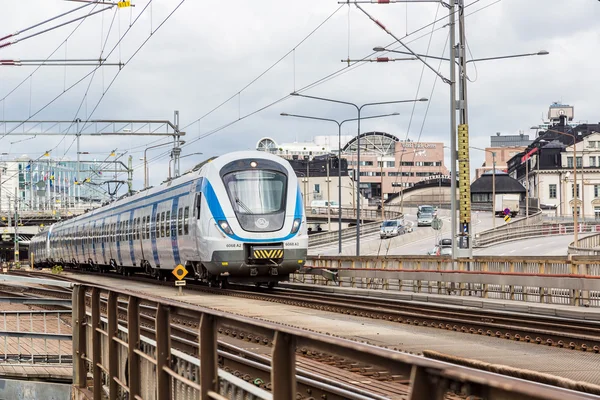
<point>130,237</point>
<point>141,236</point>
<point>201,229</point>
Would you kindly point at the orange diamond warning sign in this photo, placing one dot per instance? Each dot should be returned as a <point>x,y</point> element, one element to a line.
<point>180,272</point>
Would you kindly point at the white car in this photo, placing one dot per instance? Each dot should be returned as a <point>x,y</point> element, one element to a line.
<point>391,228</point>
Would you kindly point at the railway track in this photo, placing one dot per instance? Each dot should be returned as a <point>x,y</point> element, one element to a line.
<point>579,335</point>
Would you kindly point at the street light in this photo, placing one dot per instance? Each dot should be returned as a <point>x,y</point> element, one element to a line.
<point>339,124</point>
<point>358,109</point>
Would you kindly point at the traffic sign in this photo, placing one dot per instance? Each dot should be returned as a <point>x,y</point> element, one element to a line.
<point>507,218</point>
<point>180,272</point>
<point>506,211</point>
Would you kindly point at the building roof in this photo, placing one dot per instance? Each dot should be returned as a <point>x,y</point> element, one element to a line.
<point>373,142</point>
<point>504,184</point>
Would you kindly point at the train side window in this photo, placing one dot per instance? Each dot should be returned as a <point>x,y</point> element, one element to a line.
<point>198,205</point>
<point>120,233</point>
<point>143,229</point>
<point>180,222</point>
<point>139,227</point>
<point>186,214</point>
<point>162,224</point>
<point>157,225</point>
<point>168,227</point>
<point>148,227</point>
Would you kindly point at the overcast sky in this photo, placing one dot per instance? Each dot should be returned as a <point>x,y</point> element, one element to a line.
<point>209,50</point>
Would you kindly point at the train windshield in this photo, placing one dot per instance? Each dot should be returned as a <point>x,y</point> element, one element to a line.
<point>255,192</point>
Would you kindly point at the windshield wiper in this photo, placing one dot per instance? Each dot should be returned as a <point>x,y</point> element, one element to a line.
<point>242,205</point>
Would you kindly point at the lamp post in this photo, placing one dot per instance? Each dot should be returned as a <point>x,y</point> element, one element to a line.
<point>339,124</point>
<point>146,161</point>
<point>462,104</point>
<point>358,109</point>
<point>575,200</point>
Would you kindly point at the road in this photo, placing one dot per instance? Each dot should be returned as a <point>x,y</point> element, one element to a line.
<point>423,239</point>
<point>541,246</point>
<point>419,242</point>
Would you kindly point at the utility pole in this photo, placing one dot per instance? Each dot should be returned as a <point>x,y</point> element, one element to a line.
<point>453,152</point>
<point>129,174</point>
<point>463,133</point>
<point>16,239</point>
<point>328,199</point>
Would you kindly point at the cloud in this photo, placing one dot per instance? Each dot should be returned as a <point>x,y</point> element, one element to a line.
<point>208,51</point>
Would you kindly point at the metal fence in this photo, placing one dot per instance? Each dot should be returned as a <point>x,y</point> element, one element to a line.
<point>123,363</point>
<point>36,336</point>
<point>365,213</point>
<point>555,280</point>
<point>329,237</point>
<point>589,245</point>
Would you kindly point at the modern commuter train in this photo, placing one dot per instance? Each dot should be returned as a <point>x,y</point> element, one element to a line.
<point>239,217</point>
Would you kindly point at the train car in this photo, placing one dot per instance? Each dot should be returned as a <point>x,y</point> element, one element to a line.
<point>239,217</point>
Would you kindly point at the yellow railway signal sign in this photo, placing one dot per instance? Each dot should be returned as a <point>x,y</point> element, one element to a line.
<point>180,272</point>
<point>507,218</point>
<point>122,4</point>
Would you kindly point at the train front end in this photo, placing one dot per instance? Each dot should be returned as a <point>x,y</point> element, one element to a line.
<point>261,223</point>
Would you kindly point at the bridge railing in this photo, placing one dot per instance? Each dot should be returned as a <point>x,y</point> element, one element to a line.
<point>121,361</point>
<point>366,213</point>
<point>556,280</point>
<point>317,239</point>
<point>589,245</point>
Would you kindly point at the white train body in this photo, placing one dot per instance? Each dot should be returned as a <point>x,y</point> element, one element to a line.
<point>239,216</point>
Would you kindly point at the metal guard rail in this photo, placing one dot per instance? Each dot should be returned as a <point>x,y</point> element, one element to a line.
<point>329,237</point>
<point>369,214</point>
<point>550,279</point>
<point>103,348</point>
<point>589,245</point>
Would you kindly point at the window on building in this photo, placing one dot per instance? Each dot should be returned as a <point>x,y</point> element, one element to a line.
<point>596,190</point>
<point>569,162</point>
<point>422,174</point>
<point>576,209</point>
<point>591,144</point>
<point>317,188</point>
<point>579,162</point>
<point>390,164</point>
<point>407,163</point>
<point>592,161</point>
<point>552,191</point>
<point>573,190</point>
<point>438,163</point>
<point>597,212</point>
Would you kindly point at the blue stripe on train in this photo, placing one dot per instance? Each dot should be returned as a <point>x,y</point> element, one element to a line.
<point>153,233</point>
<point>119,233</point>
<point>130,235</point>
<point>173,227</point>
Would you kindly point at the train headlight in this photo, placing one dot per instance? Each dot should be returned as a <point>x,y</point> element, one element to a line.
<point>226,228</point>
<point>296,225</point>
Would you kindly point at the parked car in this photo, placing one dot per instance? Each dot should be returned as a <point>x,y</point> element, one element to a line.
<point>391,228</point>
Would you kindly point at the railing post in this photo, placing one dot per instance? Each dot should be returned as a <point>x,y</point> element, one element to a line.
<point>208,356</point>
<point>79,336</point>
<point>163,351</point>
<point>113,349</point>
<point>96,343</point>
<point>133,341</point>
<point>283,372</point>
<point>421,388</point>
